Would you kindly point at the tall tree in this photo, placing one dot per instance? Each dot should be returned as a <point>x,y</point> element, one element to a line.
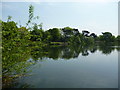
<point>107,37</point>
<point>93,35</point>
<point>55,34</point>
<point>85,32</point>
<point>9,18</point>
<point>31,15</point>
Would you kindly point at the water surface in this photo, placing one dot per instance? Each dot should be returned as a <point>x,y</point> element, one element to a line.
<point>71,67</point>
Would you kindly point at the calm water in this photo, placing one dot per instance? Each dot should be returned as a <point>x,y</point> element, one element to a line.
<point>71,67</point>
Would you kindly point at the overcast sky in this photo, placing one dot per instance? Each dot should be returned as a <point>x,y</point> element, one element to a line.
<point>94,15</point>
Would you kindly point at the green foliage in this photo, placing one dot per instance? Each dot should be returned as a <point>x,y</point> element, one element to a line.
<point>9,30</point>
<point>93,35</point>
<point>67,32</point>
<point>54,34</point>
<point>85,32</point>
<point>23,33</point>
<point>13,36</point>
<point>47,37</point>
<point>118,38</point>
<point>31,18</point>
<point>9,18</point>
<point>31,14</point>
<point>107,37</point>
<point>36,34</point>
<point>90,40</point>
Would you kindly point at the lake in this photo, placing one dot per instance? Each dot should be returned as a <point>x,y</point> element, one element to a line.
<point>67,67</point>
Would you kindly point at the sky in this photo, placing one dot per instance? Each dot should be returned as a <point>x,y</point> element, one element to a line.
<point>95,16</point>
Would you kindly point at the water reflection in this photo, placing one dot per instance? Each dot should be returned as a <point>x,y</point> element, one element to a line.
<point>16,62</point>
<point>68,52</point>
<point>106,49</point>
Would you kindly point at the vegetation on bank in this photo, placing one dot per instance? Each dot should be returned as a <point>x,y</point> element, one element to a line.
<point>14,35</point>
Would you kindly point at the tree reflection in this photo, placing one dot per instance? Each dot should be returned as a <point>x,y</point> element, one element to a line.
<point>106,49</point>
<point>85,53</point>
<point>93,50</point>
<point>68,52</point>
<point>118,49</point>
<point>16,61</point>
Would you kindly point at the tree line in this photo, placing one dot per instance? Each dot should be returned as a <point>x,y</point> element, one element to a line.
<point>12,34</point>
